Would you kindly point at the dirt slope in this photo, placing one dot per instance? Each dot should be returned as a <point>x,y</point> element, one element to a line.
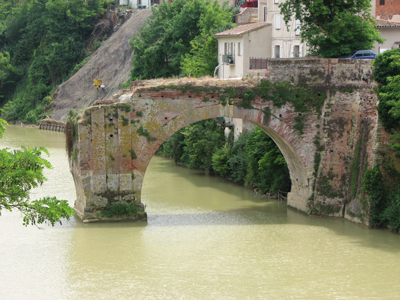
<point>114,58</point>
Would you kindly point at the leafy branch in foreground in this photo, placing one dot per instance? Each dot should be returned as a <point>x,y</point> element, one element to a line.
<point>20,171</point>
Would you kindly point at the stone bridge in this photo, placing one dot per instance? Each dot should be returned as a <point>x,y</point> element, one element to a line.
<point>320,112</point>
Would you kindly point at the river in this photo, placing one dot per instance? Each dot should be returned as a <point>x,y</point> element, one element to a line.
<point>205,238</point>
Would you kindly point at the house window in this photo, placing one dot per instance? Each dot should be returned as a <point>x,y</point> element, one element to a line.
<point>239,50</point>
<point>277,51</point>
<point>297,27</point>
<point>296,51</point>
<point>382,2</point>
<point>277,1</point>
<point>278,22</point>
<point>139,2</point>
<point>229,48</point>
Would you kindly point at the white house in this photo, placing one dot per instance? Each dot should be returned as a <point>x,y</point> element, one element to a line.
<point>237,45</point>
<point>284,43</point>
<point>271,40</point>
<point>139,3</point>
<point>390,31</point>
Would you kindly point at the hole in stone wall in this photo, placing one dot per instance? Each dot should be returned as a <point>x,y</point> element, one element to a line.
<point>140,95</point>
<point>280,116</point>
<point>111,135</point>
<point>162,96</point>
<point>190,96</point>
<point>212,97</point>
<point>299,115</point>
<point>166,118</point>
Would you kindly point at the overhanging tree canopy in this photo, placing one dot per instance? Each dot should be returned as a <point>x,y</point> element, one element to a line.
<point>333,28</point>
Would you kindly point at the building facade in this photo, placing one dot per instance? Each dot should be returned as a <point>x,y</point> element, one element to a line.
<point>140,4</point>
<point>390,32</point>
<point>286,41</point>
<point>387,9</point>
<point>237,45</point>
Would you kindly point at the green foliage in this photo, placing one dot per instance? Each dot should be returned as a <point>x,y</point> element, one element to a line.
<point>176,29</point>
<point>174,147</point>
<point>325,188</point>
<point>133,154</point>
<point>20,171</point>
<point>392,211</point>
<point>119,209</point>
<point>3,123</point>
<point>253,159</point>
<point>238,158</point>
<point>144,132</point>
<point>387,73</point>
<point>299,124</point>
<point>201,141</point>
<point>202,58</point>
<point>333,29</point>
<point>373,185</point>
<point>220,160</point>
<point>317,161</point>
<point>355,170</point>
<point>125,121</point>
<point>383,194</point>
<point>266,167</point>
<point>387,65</point>
<point>45,40</point>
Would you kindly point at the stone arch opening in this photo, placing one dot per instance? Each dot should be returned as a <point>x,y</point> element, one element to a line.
<point>300,183</point>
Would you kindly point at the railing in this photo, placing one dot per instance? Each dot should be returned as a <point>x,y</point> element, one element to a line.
<point>258,63</point>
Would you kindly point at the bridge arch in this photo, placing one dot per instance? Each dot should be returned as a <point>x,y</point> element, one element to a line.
<point>276,128</point>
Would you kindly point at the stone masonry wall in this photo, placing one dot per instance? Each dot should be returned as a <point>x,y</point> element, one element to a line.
<point>117,141</point>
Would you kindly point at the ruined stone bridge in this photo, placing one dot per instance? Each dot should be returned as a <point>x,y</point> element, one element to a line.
<point>320,112</point>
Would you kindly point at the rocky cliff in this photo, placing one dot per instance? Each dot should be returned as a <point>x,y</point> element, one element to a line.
<point>113,59</point>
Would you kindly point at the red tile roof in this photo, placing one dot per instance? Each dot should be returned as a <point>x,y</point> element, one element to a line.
<point>242,29</point>
<point>387,24</point>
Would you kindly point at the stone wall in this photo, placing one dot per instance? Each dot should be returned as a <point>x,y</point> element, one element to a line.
<point>247,15</point>
<point>116,141</point>
<point>51,124</point>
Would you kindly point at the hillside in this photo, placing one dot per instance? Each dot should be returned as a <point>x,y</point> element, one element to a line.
<point>113,58</point>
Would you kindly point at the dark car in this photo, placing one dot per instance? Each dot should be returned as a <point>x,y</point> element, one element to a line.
<point>363,54</point>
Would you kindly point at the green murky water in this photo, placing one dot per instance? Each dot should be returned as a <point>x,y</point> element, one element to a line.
<point>205,239</point>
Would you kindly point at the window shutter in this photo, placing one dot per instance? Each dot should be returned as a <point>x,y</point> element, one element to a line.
<point>278,22</point>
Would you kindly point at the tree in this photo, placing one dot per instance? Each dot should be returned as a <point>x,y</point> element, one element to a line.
<point>202,139</point>
<point>333,28</point>
<point>173,30</point>
<point>20,171</point>
<point>202,59</point>
<point>387,74</point>
<point>266,166</point>
<point>45,40</point>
